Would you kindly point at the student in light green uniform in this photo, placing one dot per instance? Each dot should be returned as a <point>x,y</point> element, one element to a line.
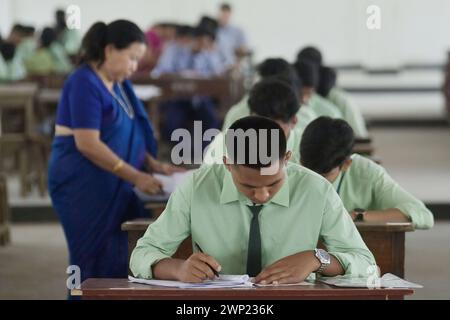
<point>11,67</point>
<point>69,39</point>
<point>253,217</point>
<point>24,40</point>
<point>268,68</point>
<point>309,76</point>
<point>350,112</point>
<point>50,57</point>
<point>276,99</point>
<point>326,148</point>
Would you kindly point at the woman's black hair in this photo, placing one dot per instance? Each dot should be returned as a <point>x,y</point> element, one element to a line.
<point>120,33</point>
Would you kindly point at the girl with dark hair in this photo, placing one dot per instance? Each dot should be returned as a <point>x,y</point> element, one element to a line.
<point>103,138</point>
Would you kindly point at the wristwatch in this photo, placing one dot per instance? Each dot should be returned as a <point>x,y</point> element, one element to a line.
<point>324,259</point>
<point>359,214</point>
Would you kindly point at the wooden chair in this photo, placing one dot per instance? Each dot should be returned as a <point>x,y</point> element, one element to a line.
<point>4,213</point>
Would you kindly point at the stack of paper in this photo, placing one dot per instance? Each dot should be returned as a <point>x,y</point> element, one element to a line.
<point>388,280</point>
<point>224,281</point>
<point>169,184</point>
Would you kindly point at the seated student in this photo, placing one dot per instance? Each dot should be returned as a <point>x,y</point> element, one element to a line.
<point>268,68</point>
<point>350,112</point>
<point>255,214</point>
<point>23,37</point>
<point>309,75</point>
<point>70,39</point>
<point>274,98</point>
<point>327,77</point>
<point>326,148</point>
<point>176,54</point>
<point>11,67</point>
<point>50,57</point>
<point>206,58</point>
<point>193,55</point>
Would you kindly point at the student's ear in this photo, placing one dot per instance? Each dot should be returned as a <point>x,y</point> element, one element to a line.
<point>347,163</point>
<point>226,162</point>
<point>294,120</point>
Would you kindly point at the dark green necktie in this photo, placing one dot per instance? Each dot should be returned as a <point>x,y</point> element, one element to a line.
<point>254,244</point>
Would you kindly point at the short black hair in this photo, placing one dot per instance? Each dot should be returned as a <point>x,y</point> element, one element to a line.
<point>274,98</point>
<point>310,54</point>
<point>48,36</point>
<point>60,18</point>
<point>308,73</point>
<point>273,66</point>
<point>326,144</point>
<point>209,24</point>
<point>28,31</point>
<point>184,30</point>
<point>327,80</point>
<point>242,150</point>
<point>7,50</point>
<point>204,32</point>
<point>225,7</point>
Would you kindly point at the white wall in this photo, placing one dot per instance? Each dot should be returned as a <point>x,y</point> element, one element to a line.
<point>412,31</point>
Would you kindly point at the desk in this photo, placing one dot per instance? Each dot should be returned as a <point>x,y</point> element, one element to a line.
<point>228,90</point>
<point>385,241</point>
<point>122,289</point>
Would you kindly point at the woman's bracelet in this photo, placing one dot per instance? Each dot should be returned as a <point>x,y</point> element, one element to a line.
<point>118,166</point>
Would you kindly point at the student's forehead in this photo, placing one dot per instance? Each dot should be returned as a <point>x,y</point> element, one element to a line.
<point>257,177</point>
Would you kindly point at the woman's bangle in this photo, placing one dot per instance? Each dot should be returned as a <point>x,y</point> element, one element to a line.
<point>118,166</point>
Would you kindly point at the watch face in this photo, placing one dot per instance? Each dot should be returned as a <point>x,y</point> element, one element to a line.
<point>323,256</point>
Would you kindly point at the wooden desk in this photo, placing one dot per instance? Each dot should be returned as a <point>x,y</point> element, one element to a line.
<point>226,89</point>
<point>385,241</point>
<point>122,289</point>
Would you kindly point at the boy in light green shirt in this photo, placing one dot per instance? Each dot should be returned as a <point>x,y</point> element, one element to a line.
<point>350,112</point>
<point>327,90</point>
<point>50,56</point>
<point>367,191</point>
<point>255,214</point>
<point>309,76</point>
<point>11,67</point>
<point>269,68</point>
<point>69,39</point>
<point>276,99</point>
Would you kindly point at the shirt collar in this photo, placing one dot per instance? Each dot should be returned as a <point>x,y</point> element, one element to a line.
<point>230,193</point>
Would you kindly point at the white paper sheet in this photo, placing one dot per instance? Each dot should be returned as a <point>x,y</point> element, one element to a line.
<point>388,280</point>
<point>224,281</point>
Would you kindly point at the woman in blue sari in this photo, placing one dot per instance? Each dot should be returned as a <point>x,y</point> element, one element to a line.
<point>102,140</point>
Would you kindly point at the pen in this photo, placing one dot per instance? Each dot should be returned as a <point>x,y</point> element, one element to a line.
<point>213,270</point>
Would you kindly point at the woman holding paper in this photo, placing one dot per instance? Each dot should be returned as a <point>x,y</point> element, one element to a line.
<point>102,140</point>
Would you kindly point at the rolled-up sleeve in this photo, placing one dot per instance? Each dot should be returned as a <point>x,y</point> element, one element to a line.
<point>389,194</point>
<point>162,238</point>
<point>343,240</point>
